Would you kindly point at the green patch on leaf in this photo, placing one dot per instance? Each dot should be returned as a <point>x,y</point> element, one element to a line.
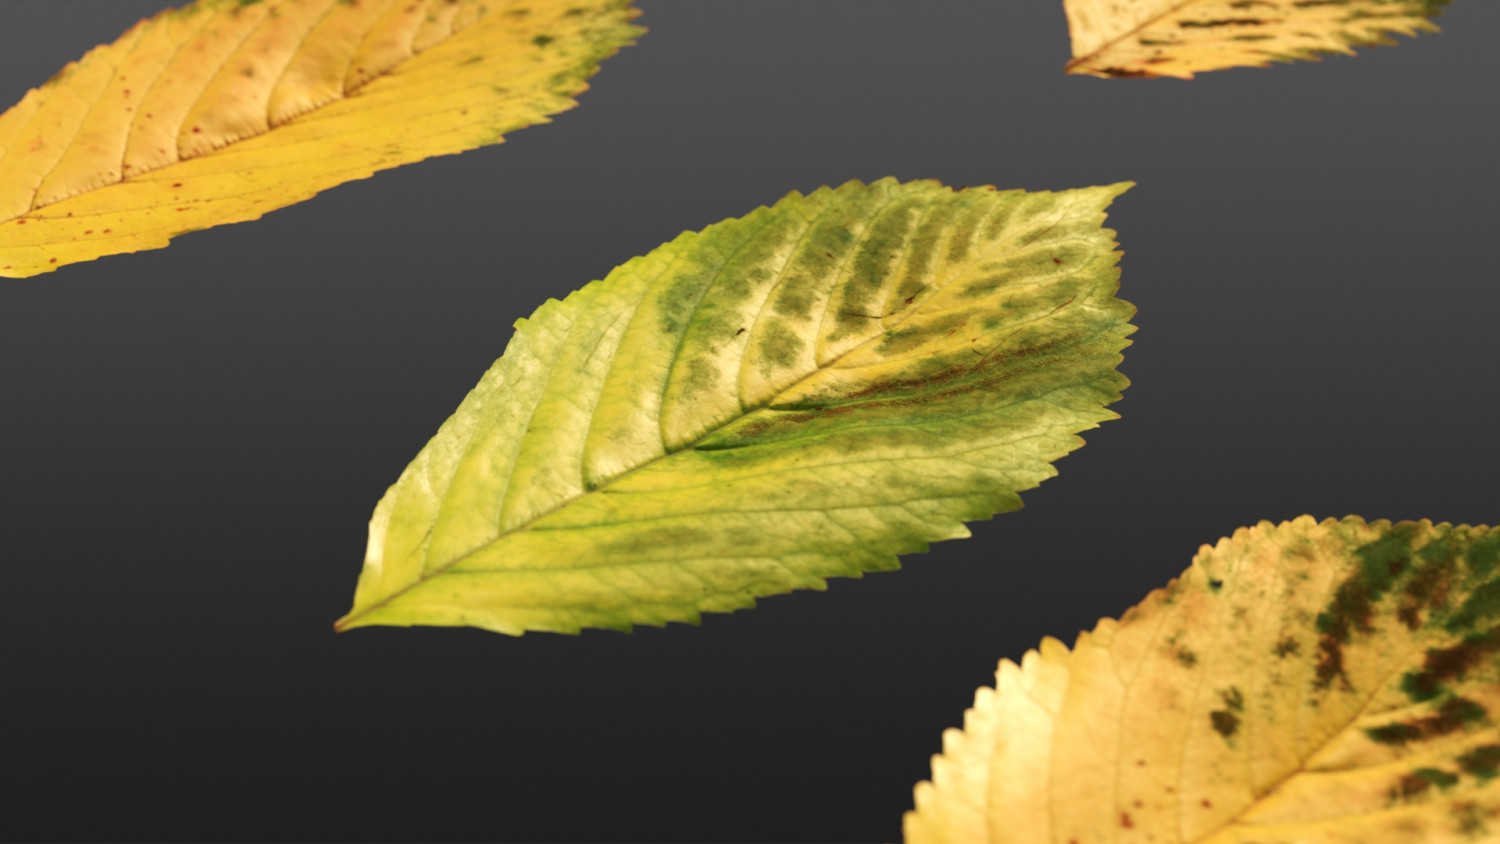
<point>1417,581</point>
<point>1482,762</point>
<point>1440,665</point>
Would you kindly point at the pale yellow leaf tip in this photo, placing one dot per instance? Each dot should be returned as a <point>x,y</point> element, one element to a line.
<point>1178,38</point>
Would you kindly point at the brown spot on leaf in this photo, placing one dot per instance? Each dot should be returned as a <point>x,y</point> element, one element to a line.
<point>1126,73</point>
<point>1352,606</point>
<point>1449,718</point>
<point>1441,664</point>
<point>1210,24</point>
<point>1224,722</point>
<point>1410,785</point>
<point>1429,585</point>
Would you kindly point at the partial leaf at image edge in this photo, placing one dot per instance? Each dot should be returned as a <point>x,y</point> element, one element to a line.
<point>225,109</point>
<point>1333,682</point>
<point>1152,38</point>
<point>802,393</point>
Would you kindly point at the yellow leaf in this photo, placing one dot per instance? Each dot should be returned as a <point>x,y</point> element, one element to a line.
<point>1302,682</point>
<point>226,109</point>
<point>1148,38</point>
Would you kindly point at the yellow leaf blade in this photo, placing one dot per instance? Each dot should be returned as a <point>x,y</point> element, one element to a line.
<point>1328,682</point>
<point>224,110</point>
<point>1150,38</point>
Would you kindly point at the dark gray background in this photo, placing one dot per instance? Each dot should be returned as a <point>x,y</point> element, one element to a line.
<point>193,438</point>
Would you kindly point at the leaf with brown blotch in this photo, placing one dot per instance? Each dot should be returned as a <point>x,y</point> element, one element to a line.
<point>226,109</point>
<point>1302,682</point>
<point>1149,38</point>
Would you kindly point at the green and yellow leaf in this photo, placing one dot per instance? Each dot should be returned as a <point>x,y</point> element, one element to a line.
<point>1302,682</point>
<point>798,394</point>
<point>226,109</point>
<point>1148,38</point>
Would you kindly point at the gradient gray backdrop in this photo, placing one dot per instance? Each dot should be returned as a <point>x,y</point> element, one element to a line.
<point>192,439</point>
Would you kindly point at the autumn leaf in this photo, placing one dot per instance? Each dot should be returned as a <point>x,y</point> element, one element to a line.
<point>1147,38</point>
<point>798,394</point>
<point>226,109</point>
<point>1301,682</point>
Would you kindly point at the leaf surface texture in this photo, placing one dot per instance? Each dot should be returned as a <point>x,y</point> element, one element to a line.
<point>226,109</point>
<point>798,394</point>
<point>1302,682</point>
<point>1146,38</point>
